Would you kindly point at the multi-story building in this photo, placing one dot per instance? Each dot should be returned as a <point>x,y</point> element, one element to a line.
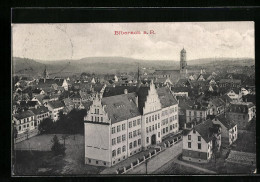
<point>24,121</point>
<point>119,126</point>
<point>200,142</point>
<point>40,113</point>
<point>55,107</point>
<point>241,113</point>
<point>197,112</point>
<point>227,83</point>
<point>228,128</point>
<point>217,105</point>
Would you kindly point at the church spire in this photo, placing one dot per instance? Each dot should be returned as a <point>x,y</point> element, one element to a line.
<point>45,73</point>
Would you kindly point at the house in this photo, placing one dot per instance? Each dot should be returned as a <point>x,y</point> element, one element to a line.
<point>230,83</point>
<point>200,142</point>
<point>228,127</point>
<point>55,107</point>
<point>119,126</point>
<point>39,99</point>
<point>24,121</point>
<point>181,91</point>
<point>40,113</point>
<point>217,105</point>
<point>241,162</point>
<point>244,91</point>
<point>49,83</point>
<point>241,113</point>
<point>37,92</point>
<point>198,112</point>
<point>235,94</point>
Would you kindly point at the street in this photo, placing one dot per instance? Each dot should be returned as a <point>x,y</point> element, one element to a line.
<point>159,160</point>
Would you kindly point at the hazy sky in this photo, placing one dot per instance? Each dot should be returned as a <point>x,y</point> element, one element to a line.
<point>75,41</point>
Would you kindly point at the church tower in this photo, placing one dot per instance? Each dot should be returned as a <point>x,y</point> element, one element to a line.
<point>183,63</point>
<point>45,73</point>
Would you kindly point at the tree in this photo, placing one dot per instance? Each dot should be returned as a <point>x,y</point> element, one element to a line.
<point>46,126</point>
<point>57,148</point>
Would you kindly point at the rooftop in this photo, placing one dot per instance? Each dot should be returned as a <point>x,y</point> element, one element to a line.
<point>24,114</point>
<point>55,104</point>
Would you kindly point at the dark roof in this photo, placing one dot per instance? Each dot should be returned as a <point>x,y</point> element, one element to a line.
<point>87,104</point>
<point>118,90</point>
<point>120,107</point>
<point>97,88</point>
<point>230,81</point>
<point>166,97</point>
<point>142,94</point>
<point>24,114</point>
<point>37,91</point>
<point>68,102</point>
<point>225,121</point>
<point>217,102</point>
<point>31,103</point>
<point>185,104</point>
<point>244,158</point>
<point>225,98</point>
<point>206,129</point>
<point>56,104</point>
<point>40,110</point>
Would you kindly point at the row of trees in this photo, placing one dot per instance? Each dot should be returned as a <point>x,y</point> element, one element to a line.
<point>72,123</point>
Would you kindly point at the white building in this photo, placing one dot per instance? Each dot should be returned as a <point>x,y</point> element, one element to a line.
<point>24,121</point>
<point>55,107</point>
<point>119,126</point>
<point>198,142</point>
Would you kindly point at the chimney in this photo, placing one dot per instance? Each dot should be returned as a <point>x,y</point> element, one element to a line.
<point>125,91</point>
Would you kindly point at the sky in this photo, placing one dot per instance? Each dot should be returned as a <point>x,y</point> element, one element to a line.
<point>75,41</point>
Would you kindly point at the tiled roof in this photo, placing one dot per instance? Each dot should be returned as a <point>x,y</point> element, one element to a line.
<point>39,97</point>
<point>40,110</point>
<point>24,114</point>
<point>118,90</point>
<point>87,104</point>
<point>225,121</point>
<point>230,81</point>
<point>242,158</point>
<point>37,91</point>
<point>166,97</point>
<point>204,129</point>
<point>218,102</point>
<point>225,98</point>
<point>120,107</point>
<point>55,104</point>
<point>68,102</point>
<point>142,96</point>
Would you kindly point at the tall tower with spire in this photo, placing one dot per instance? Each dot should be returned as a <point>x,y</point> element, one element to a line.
<point>45,73</point>
<point>183,63</point>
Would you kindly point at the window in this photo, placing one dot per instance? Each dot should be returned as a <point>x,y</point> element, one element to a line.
<point>153,127</point>
<point>189,137</point>
<point>113,153</point>
<point>147,120</point>
<point>96,162</point>
<point>134,133</point>
<point>130,145</point>
<point>159,134</point>
<point>166,129</point>
<point>147,140</point>
<point>123,137</point>
<point>163,130</point>
<point>135,143</point>
<point>194,131</point>
<point>130,135</point>
<point>105,163</point>
<point>199,145</point>
<point>147,130</point>
<point>150,128</point>
<point>199,138</point>
<point>134,123</point>
<point>158,125</point>
<point>130,124</point>
<point>123,148</point>
<point>155,117</point>
<point>102,121</point>
<point>138,122</point>
<point>113,130</point>
<point>139,141</point>
<point>123,126</point>
<point>158,116</point>
<point>89,161</point>
<point>113,141</point>
<point>118,151</point>
<point>118,128</point>
<point>170,127</point>
<point>189,144</point>
<point>119,139</point>
<point>139,131</point>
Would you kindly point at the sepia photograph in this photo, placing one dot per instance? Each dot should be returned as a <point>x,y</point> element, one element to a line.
<point>162,98</point>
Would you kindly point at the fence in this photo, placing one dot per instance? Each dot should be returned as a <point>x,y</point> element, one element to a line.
<point>139,161</point>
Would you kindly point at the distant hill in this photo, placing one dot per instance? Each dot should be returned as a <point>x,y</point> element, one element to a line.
<point>110,65</point>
